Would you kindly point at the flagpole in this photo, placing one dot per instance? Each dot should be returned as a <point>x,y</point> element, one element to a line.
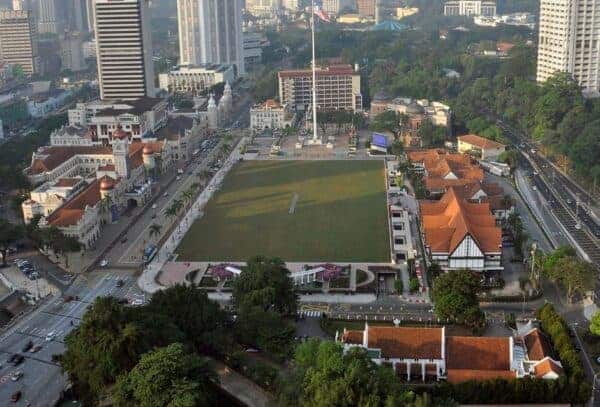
<point>314,74</point>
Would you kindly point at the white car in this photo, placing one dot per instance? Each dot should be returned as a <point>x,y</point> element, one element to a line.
<point>50,336</point>
<point>137,301</point>
<point>154,206</point>
<point>104,263</point>
<point>16,376</point>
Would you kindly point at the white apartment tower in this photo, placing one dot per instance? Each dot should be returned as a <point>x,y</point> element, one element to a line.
<point>210,31</point>
<point>568,42</point>
<point>124,49</point>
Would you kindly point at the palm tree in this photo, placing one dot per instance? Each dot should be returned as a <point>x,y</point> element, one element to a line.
<point>177,204</point>
<point>155,230</point>
<point>171,212</point>
<point>187,196</point>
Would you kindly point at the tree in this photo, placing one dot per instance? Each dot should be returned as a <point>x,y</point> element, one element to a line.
<point>169,376</point>
<point>323,375</point>
<point>455,297</point>
<point>104,345</point>
<point>397,148</point>
<point>595,324</point>
<point>9,235</point>
<point>265,283</point>
<point>430,134</point>
<point>154,230</point>
<point>386,121</point>
<point>200,319</point>
<point>575,275</point>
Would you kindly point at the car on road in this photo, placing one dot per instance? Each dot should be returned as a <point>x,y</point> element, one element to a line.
<point>16,396</point>
<point>27,346</point>
<point>18,360</point>
<point>137,301</point>
<point>104,263</point>
<point>124,240</point>
<point>35,349</point>
<point>16,376</point>
<point>177,178</point>
<point>154,206</point>
<point>166,194</point>
<point>153,216</point>
<point>50,336</point>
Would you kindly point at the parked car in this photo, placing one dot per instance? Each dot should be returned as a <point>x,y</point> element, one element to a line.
<point>104,263</point>
<point>35,349</point>
<point>18,360</point>
<point>16,396</point>
<point>27,346</point>
<point>50,336</point>
<point>120,283</point>
<point>16,376</point>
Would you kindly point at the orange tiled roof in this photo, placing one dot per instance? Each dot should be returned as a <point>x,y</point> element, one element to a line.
<point>67,182</point>
<point>537,345</point>
<point>448,221</point>
<point>440,164</point>
<point>406,343</point>
<point>546,366</point>
<point>480,142</point>
<point>464,375</point>
<point>70,213</point>
<point>353,337</point>
<point>51,157</point>
<point>477,353</point>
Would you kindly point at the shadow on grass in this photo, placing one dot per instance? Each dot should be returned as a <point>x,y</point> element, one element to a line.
<point>257,174</point>
<point>345,230</point>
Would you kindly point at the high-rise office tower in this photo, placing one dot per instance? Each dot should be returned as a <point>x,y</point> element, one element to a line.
<point>210,31</point>
<point>19,40</point>
<point>568,42</point>
<point>124,49</point>
<point>46,16</point>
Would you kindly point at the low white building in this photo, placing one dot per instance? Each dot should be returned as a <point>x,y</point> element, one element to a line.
<point>270,115</point>
<point>42,105</point>
<point>98,120</point>
<point>479,146</point>
<point>402,242</point>
<point>428,355</point>
<point>195,79</point>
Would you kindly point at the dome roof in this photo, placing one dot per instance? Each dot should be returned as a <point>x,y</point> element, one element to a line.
<point>119,133</point>
<point>414,108</point>
<point>106,184</point>
<point>147,150</point>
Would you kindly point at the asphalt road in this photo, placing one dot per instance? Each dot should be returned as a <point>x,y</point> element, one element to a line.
<point>566,199</point>
<point>43,381</point>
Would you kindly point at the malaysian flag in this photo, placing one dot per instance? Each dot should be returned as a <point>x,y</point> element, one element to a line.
<point>319,12</point>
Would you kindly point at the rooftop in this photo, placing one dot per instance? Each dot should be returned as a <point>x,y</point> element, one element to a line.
<point>327,71</point>
<point>480,142</point>
<point>447,222</point>
<point>402,342</point>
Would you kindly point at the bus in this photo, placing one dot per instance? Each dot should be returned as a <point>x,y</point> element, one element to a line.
<point>149,253</point>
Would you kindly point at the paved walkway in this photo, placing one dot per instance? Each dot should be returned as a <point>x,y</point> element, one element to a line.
<point>148,280</point>
<point>242,388</point>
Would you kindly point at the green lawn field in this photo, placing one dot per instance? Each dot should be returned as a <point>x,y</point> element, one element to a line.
<point>338,213</point>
